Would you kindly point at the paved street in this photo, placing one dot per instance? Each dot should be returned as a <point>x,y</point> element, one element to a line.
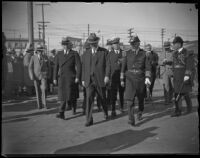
<point>27,130</point>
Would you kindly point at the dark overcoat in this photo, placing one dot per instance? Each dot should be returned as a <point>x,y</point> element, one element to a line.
<point>102,66</point>
<point>67,67</point>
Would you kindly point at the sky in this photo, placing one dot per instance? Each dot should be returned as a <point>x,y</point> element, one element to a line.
<point>107,20</point>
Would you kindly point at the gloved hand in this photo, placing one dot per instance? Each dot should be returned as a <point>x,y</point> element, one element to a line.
<point>76,80</point>
<point>83,83</point>
<point>106,80</point>
<point>147,81</point>
<point>186,78</point>
<point>122,83</point>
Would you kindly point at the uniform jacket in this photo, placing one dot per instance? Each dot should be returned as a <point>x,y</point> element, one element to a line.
<point>102,66</point>
<point>183,65</point>
<point>38,68</point>
<point>136,62</point>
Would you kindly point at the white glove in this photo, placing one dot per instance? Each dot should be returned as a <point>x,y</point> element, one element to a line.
<point>147,82</point>
<point>83,83</point>
<point>186,78</point>
<point>76,80</point>
<point>55,82</point>
<point>106,80</point>
<point>122,83</point>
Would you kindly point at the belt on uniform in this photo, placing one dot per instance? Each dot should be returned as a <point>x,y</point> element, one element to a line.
<point>179,66</point>
<point>135,71</point>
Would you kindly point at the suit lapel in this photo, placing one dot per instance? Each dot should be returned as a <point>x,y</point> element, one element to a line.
<point>66,57</point>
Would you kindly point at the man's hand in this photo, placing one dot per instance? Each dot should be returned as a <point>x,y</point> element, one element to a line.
<point>83,83</point>
<point>122,84</point>
<point>76,80</point>
<point>106,79</point>
<point>186,78</point>
<point>55,82</point>
<point>147,81</point>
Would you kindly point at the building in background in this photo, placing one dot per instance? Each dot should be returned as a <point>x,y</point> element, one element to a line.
<point>19,44</point>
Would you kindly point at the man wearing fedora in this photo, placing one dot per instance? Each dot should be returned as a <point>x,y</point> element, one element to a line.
<point>115,57</point>
<point>95,76</point>
<point>108,87</point>
<point>153,57</point>
<point>38,71</point>
<point>183,74</point>
<point>137,74</point>
<point>68,69</point>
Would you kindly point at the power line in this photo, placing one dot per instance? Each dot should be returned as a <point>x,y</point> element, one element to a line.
<point>43,22</point>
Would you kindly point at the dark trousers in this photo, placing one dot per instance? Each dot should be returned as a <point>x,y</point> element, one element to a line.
<point>63,104</point>
<point>84,99</point>
<point>116,87</point>
<point>40,89</point>
<point>152,83</point>
<point>131,104</point>
<point>187,100</point>
<point>90,94</point>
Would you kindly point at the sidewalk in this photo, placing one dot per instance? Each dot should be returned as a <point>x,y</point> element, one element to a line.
<point>26,130</point>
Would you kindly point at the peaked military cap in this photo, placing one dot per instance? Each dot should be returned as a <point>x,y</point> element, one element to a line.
<point>134,39</point>
<point>178,39</point>
<point>115,40</point>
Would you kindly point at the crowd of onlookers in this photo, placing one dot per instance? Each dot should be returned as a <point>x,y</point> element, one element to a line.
<point>16,80</point>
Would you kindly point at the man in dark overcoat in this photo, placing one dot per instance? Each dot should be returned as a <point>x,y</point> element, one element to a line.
<point>95,76</point>
<point>183,71</point>
<point>137,75</point>
<point>68,69</point>
<point>153,57</point>
<point>115,57</point>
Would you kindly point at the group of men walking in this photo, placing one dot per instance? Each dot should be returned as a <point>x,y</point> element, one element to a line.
<point>105,73</point>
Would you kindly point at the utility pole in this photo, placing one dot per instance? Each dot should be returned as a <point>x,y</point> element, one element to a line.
<point>43,22</point>
<point>88,30</point>
<point>48,45</point>
<point>102,41</point>
<point>39,29</point>
<point>130,31</point>
<point>162,37</point>
<point>30,23</point>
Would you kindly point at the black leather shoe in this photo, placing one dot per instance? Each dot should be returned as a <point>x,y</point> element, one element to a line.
<point>89,123</point>
<point>132,122</point>
<point>113,114</point>
<point>176,114</point>
<point>60,115</point>
<point>139,116</point>
<point>74,111</point>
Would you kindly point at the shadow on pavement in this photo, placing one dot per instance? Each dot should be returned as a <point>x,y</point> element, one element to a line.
<point>110,143</point>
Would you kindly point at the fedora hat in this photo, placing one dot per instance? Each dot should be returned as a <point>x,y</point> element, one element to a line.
<point>39,47</point>
<point>134,39</point>
<point>93,38</point>
<point>66,41</point>
<point>115,40</point>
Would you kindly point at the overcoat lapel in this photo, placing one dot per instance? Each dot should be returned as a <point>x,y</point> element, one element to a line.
<point>66,57</point>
